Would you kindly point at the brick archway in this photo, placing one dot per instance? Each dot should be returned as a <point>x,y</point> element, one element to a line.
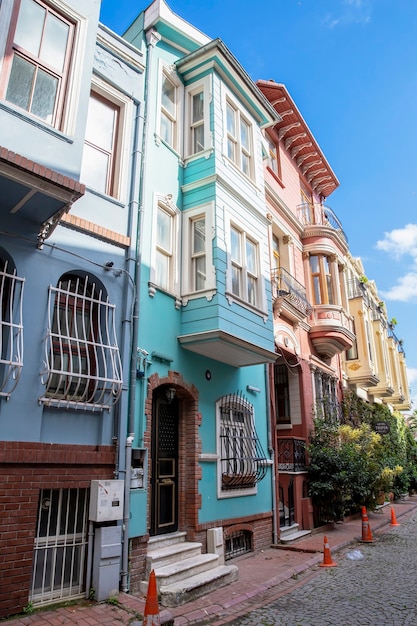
<point>189,500</point>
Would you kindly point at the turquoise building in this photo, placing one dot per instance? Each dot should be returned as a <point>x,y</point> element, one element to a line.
<point>201,451</point>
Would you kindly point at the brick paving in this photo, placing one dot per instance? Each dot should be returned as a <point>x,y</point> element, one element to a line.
<point>263,578</point>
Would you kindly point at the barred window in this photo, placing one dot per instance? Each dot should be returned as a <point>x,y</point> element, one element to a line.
<point>11,328</point>
<point>242,460</point>
<point>82,360</point>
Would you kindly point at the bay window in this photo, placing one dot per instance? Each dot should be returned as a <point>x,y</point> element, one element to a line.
<point>244,266</point>
<point>169,110</point>
<point>239,139</point>
<point>322,287</point>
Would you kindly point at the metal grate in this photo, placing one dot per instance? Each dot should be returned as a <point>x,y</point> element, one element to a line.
<point>11,329</point>
<point>82,367</point>
<point>238,543</point>
<point>60,545</point>
<point>243,461</point>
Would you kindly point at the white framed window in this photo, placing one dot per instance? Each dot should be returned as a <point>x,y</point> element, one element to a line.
<point>321,279</point>
<point>170,95</point>
<point>244,262</point>
<point>241,459</point>
<point>106,145</point>
<point>37,70</point>
<point>197,262</point>
<point>165,250</point>
<point>82,366</point>
<point>239,139</point>
<point>272,158</point>
<point>197,115</point>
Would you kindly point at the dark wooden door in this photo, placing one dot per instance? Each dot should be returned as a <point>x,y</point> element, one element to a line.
<point>164,514</point>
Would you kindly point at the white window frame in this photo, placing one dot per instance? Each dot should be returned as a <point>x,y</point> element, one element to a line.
<point>202,86</point>
<point>123,134</point>
<point>165,204</point>
<point>240,265</point>
<point>69,109</point>
<point>241,152</point>
<point>188,219</point>
<point>168,72</point>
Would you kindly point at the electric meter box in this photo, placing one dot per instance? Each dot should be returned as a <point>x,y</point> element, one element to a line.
<point>106,500</point>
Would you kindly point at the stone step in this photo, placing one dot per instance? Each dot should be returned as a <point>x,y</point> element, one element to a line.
<point>170,574</point>
<point>292,537</point>
<point>169,554</point>
<point>196,586</point>
<point>161,541</point>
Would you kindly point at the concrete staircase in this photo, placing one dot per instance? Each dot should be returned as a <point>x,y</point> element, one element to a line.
<point>182,572</point>
<point>290,534</point>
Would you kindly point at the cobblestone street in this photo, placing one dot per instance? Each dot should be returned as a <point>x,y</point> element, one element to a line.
<point>378,590</point>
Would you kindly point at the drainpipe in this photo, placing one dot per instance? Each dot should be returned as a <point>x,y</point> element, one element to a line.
<point>152,38</point>
<point>271,450</point>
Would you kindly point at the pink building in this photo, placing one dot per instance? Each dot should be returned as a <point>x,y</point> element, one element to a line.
<point>312,323</point>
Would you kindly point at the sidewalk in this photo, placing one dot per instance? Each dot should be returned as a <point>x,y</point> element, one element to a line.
<point>262,578</point>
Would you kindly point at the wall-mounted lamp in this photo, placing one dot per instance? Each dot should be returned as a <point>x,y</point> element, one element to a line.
<point>253,389</point>
<point>170,394</point>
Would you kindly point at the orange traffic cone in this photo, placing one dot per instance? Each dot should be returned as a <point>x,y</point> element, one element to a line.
<point>366,527</point>
<point>151,613</point>
<point>393,518</point>
<point>327,557</point>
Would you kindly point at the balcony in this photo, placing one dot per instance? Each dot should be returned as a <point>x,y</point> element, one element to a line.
<point>331,330</point>
<point>289,294</point>
<point>319,219</point>
<point>291,454</point>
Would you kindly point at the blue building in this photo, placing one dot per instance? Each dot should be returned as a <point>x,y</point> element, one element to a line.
<point>201,443</point>
<point>71,122</point>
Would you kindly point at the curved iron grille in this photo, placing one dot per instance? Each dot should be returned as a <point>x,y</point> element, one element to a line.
<point>11,329</point>
<point>82,361</point>
<point>243,460</point>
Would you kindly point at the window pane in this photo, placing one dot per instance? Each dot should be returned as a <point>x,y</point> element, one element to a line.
<point>29,26</point>
<point>235,244</point>
<point>251,290</point>
<point>231,150</point>
<point>54,42</point>
<point>245,164</point>
<point>236,273</point>
<point>95,168</point>
<point>198,138</point>
<point>44,95</point>
<point>231,120</point>
<point>162,270</point>
<point>20,82</point>
<point>314,263</point>
<point>329,289</point>
<point>200,272</point>
<point>168,96</point>
<point>199,238</point>
<point>164,230</point>
<point>198,107</point>
<point>251,256</point>
<point>317,290</point>
<point>101,123</point>
<point>167,129</point>
<point>244,134</point>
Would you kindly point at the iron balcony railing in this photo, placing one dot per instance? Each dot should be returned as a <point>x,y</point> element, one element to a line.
<point>291,454</point>
<point>286,286</point>
<point>313,214</point>
<point>398,342</point>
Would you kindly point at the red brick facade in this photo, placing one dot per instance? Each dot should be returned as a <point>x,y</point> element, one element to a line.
<point>25,469</point>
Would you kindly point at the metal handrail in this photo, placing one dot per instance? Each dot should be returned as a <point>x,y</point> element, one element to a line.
<point>286,286</point>
<point>318,214</point>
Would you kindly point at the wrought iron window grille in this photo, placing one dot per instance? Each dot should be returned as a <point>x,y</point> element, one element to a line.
<point>11,329</point>
<point>82,366</point>
<point>243,461</point>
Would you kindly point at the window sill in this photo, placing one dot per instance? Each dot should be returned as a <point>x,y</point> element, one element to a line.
<point>194,295</point>
<point>233,299</point>
<point>153,288</point>
<point>25,116</point>
<point>105,196</point>
<point>206,154</point>
<point>159,141</point>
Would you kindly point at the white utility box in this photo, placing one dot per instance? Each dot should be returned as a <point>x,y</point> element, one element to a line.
<point>106,500</point>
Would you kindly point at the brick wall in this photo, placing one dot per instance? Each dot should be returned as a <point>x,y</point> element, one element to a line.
<point>25,469</point>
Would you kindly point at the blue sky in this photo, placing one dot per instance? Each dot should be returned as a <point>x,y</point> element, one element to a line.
<point>351,68</point>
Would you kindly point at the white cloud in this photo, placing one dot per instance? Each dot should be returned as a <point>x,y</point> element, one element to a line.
<point>350,12</point>
<point>412,375</point>
<point>404,290</point>
<point>400,241</point>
